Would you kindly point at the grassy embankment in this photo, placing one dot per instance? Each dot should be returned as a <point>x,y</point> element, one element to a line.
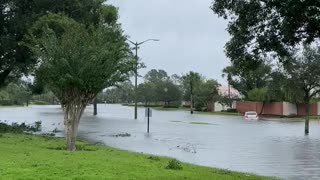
<point>35,157</point>
<point>12,106</point>
<point>219,113</point>
<point>311,118</point>
<point>198,112</point>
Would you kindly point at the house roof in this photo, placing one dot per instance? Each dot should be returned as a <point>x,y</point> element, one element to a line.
<point>224,91</point>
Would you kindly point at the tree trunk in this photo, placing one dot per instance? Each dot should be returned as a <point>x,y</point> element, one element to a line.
<point>72,115</point>
<point>95,108</point>
<point>71,135</point>
<point>306,127</point>
<point>261,111</point>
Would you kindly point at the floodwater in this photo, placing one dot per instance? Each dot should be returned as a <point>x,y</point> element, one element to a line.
<point>269,148</point>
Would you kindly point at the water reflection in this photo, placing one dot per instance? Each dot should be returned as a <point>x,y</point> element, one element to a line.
<point>263,147</point>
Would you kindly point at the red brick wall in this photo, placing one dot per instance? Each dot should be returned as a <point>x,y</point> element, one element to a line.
<point>313,108</point>
<point>243,107</point>
<point>268,108</point>
<point>275,108</point>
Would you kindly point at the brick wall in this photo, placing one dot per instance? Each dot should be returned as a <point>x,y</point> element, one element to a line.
<point>265,109</point>
<point>275,108</point>
<point>313,109</point>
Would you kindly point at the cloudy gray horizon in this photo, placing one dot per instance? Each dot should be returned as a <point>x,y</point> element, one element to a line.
<point>192,37</point>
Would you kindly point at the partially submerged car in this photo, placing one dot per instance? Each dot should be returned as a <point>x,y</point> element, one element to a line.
<point>251,115</point>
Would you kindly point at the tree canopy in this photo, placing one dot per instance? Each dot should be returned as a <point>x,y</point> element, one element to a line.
<point>159,87</point>
<point>259,27</point>
<point>17,16</point>
<point>245,80</point>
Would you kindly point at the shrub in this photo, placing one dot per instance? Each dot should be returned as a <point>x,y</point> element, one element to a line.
<point>232,110</point>
<point>19,128</point>
<point>121,135</point>
<point>154,158</point>
<point>174,165</point>
<point>37,102</point>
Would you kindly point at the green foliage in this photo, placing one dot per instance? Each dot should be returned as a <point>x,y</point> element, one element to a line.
<point>303,73</point>
<point>16,93</point>
<point>189,82</point>
<point>19,128</point>
<point>174,164</point>
<point>245,80</point>
<point>37,102</point>
<point>277,87</point>
<point>154,158</point>
<point>80,61</point>
<point>146,92</point>
<point>122,93</point>
<point>260,95</point>
<point>168,92</point>
<point>199,91</point>
<point>45,98</point>
<point>159,87</point>
<point>259,27</point>
<point>77,62</point>
<point>18,16</point>
<point>206,92</point>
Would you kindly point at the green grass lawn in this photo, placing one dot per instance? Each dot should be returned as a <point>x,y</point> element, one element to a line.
<point>29,157</point>
<point>197,112</point>
<point>311,118</point>
<point>169,109</point>
<point>13,106</point>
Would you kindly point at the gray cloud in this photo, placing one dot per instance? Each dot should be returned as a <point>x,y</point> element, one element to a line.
<point>191,36</point>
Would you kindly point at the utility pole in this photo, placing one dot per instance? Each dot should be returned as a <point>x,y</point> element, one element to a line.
<point>191,96</point>
<point>136,44</point>
<point>136,84</point>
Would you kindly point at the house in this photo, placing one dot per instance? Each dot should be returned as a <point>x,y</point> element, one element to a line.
<point>225,91</point>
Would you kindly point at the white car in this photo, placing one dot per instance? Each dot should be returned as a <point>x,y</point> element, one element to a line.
<point>251,115</point>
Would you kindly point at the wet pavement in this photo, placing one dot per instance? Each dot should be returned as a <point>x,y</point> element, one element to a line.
<point>270,148</point>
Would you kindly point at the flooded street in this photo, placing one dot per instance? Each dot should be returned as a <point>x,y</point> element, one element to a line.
<point>263,147</point>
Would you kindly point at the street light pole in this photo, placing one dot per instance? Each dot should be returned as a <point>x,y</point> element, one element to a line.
<point>136,84</point>
<point>136,44</point>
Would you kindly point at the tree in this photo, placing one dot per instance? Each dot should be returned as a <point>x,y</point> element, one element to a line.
<point>121,93</point>
<point>126,90</point>
<point>206,93</point>
<point>156,75</point>
<point>78,62</point>
<point>146,93</point>
<point>17,16</point>
<point>159,87</point>
<point>15,93</point>
<point>168,92</point>
<point>303,73</point>
<point>249,79</point>
<point>277,87</point>
<point>260,27</point>
<point>190,81</point>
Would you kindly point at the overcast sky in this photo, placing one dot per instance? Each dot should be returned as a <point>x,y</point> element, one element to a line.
<point>191,36</point>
